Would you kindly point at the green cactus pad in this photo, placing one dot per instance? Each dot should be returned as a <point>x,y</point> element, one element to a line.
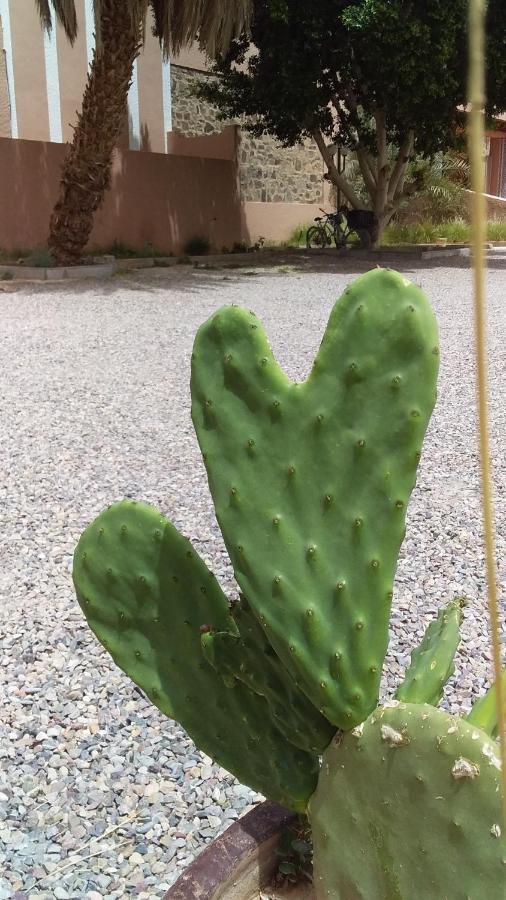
<point>408,806</point>
<point>145,593</point>
<point>250,658</point>
<point>484,711</point>
<point>311,481</point>
<point>432,663</point>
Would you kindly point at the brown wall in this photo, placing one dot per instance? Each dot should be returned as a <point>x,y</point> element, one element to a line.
<point>223,145</point>
<point>155,198</point>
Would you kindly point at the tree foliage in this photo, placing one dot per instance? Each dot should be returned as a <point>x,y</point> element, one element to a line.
<point>370,74</point>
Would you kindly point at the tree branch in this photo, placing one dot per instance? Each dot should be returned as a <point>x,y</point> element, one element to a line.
<point>399,172</point>
<point>380,199</point>
<point>336,176</point>
<point>367,174</point>
<point>381,139</point>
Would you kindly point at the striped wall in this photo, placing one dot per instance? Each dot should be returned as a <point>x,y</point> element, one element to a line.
<point>46,77</point>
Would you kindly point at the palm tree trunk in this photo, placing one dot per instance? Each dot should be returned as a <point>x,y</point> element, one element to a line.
<point>86,174</point>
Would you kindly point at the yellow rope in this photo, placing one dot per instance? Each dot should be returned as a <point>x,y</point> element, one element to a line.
<point>477,13</point>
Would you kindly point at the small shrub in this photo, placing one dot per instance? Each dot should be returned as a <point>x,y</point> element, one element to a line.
<point>6,276</point>
<point>240,247</point>
<point>455,232</point>
<point>120,250</point>
<point>297,237</point>
<point>197,246</point>
<point>184,260</point>
<point>496,230</point>
<point>40,258</point>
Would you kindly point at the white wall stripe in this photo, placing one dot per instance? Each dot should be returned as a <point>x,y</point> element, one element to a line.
<point>53,85</point>
<point>89,21</point>
<point>6,26</point>
<point>167,99</point>
<point>134,116</point>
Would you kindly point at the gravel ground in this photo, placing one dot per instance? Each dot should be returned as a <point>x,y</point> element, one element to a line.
<point>99,795</point>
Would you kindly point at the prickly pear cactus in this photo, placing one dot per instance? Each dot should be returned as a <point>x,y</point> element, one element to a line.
<point>484,711</point>
<point>408,806</point>
<point>311,481</point>
<point>145,593</point>
<point>432,663</point>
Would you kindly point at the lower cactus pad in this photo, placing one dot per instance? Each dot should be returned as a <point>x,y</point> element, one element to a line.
<point>408,807</point>
<point>145,593</point>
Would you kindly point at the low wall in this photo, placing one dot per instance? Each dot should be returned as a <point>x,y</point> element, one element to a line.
<point>276,221</point>
<point>157,198</point>
<point>222,145</point>
<point>496,207</point>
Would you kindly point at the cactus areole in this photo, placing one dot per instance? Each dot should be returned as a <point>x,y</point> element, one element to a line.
<point>311,484</point>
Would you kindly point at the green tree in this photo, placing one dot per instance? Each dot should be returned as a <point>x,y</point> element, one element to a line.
<point>119,36</point>
<point>383,79</point>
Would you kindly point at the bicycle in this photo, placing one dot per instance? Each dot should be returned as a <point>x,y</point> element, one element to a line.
<point>343,227</point>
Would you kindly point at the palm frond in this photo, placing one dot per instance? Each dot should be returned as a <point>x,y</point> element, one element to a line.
<point>65,12</point>
<point>214,23</point>
<point>178,23</point>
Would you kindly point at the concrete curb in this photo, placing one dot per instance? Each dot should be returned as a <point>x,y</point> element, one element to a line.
<point>32,273</point>
<point>109,266</point>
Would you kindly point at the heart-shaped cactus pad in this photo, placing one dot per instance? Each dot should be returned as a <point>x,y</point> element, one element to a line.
<point>311,481</point>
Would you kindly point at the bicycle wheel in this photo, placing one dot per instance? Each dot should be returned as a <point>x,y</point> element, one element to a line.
<point>340,238</point>
<point>316,238</point>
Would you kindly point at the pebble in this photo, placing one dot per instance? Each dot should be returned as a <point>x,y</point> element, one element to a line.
<point>87,765</point>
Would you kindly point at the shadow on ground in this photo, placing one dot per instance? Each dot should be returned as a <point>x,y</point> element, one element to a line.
<point>210,276</point>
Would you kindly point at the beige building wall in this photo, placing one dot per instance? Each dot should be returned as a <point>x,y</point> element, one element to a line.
<point>73,70</point>
<point>29,71</point>
<point>5,107</point>
<point>150,86</point>
<point>50,76</point>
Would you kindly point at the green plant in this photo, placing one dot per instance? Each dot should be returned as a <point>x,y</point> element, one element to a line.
<point>197,246</point>
<point>295,854</point>
<point>427,232</point>
<point>311,484</point>
<point>240,247</point>
<point>6,276</point>
<point>39,258</point>
<point>297,236</point>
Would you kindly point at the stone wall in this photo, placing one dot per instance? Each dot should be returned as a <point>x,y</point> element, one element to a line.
<point>268,172</point>
<point>5,112</point>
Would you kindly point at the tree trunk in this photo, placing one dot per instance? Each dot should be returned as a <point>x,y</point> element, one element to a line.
<point>384,182</point>
<point>86,174</point>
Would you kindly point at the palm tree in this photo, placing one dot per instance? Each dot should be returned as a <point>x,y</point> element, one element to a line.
<point>120,24</point>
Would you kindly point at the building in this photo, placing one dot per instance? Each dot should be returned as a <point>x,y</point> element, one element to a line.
<point>42,79</point>
<point>496,158</point>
